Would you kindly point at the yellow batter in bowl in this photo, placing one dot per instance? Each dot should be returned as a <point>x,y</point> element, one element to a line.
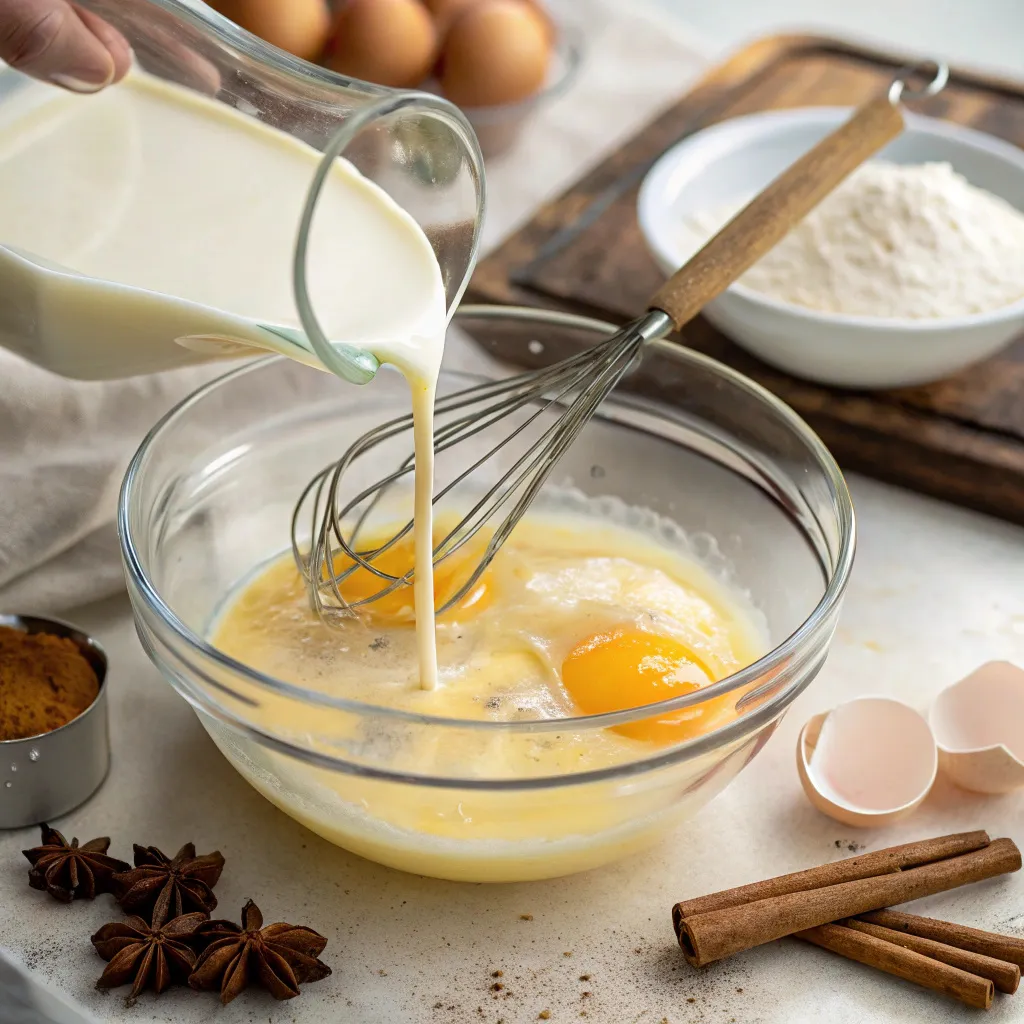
<point>578,615</point>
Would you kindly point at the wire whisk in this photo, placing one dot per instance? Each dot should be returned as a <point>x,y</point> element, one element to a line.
<point>572,390</point>
<point>538,415</point>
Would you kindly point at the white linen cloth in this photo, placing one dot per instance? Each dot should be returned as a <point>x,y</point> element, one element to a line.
<point>64,445</point>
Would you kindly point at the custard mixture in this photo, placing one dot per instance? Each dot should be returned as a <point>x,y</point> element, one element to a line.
<point>574,617</point>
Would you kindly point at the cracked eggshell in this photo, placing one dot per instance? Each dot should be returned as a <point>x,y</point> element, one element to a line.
<point>979,727</point>
<point>868,762</point>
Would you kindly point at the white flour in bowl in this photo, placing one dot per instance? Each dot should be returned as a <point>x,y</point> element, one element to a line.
<point>910,241</point>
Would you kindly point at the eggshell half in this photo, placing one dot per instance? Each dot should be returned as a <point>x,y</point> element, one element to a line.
<point>979,727</point>
<point>868,762</point>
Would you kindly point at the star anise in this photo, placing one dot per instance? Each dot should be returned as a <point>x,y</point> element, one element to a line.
<point>161,887</point>
<point>153,956</point>
<point>68,871</point>
<point>281,956</point>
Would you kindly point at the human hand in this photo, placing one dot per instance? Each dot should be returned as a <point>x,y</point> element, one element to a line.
<point>62,43</point>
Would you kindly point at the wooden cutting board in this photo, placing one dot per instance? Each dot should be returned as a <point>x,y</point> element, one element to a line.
<point>961,439</point>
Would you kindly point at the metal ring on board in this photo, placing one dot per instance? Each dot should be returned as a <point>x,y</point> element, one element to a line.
<point>898,90</point>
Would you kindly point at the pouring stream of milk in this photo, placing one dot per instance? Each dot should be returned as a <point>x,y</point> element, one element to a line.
<point>153,186</point>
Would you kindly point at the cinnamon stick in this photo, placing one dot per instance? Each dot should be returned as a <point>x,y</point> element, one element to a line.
<point>1002,947</point>
<point>867,865</point>
<point>903,963</point>
<point>715,934</point>
<point>1004,975</point>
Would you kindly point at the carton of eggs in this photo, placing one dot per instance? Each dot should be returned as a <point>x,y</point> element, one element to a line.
<point>873,760</point>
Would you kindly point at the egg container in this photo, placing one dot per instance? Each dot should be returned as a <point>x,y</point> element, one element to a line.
<point>873,760</point>
<point>46,776</point>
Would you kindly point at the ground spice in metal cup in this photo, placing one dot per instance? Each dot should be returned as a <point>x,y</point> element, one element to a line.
<point>45,682</point>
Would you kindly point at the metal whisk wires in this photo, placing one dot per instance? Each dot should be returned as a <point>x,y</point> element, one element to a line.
<point>549,406</point>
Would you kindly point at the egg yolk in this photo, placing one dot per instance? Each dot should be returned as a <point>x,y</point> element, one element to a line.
<point>628,668</point>
<point>396,608</point>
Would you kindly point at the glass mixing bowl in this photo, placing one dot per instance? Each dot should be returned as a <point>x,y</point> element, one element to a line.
<point>208,498</point>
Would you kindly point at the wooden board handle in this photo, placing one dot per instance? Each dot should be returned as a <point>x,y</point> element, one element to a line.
<point>766,220</point>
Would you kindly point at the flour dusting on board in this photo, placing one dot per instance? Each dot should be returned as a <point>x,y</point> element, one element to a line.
<point>906,241</point>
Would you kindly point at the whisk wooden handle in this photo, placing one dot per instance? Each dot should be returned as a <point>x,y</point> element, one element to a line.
<point>767,219</point>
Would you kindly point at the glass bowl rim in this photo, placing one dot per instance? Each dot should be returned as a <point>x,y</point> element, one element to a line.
<point>764,668</point>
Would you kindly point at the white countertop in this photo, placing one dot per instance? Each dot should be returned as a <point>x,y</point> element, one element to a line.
<point>982,33</point>
<point>935,591</point>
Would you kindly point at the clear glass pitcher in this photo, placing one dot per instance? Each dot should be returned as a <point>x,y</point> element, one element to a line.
<point>419,148</point>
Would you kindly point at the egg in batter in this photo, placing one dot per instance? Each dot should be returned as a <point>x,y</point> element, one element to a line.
<point>573,617</point>
<point>584,610</point>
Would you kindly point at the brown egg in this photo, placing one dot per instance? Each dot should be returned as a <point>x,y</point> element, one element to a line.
<point>298,26</point>
<point>495,52</point>
<point>390,42</point>
<point>545,15</point>
<point>444,10</point>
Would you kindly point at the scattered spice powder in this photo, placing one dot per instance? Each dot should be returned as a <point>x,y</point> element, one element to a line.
<point>45,682</point>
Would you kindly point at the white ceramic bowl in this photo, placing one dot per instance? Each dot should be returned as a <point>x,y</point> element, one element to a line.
<point>734,159</point>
